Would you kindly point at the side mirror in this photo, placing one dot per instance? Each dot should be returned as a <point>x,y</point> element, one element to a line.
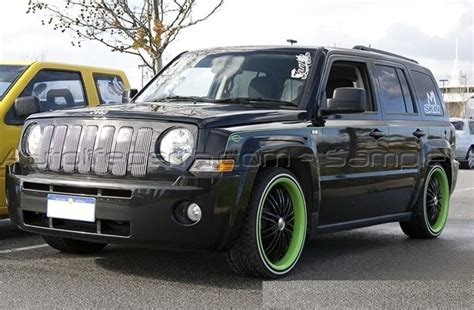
<point>25,106</point>
<point>128,95</point>
<point>346,100</point>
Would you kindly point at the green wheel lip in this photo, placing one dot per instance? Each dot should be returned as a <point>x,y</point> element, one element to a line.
<point>439,173</point>
<point>299,233</point>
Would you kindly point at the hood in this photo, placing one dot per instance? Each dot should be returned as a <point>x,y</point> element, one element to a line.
<point>204,115</point>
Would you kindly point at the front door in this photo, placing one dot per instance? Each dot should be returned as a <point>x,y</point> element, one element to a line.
<point>352,152</point>
<point>55,90</point>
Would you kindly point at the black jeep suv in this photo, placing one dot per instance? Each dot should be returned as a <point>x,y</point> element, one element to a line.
<point>248,150</point>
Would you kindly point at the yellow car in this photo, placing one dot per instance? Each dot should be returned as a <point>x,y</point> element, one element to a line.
<point>31,87</point>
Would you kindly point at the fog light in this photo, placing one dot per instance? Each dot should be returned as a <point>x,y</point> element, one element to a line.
<point>194,212</point>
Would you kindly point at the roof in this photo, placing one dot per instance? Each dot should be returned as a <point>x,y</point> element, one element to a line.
<point>361,51</point>
<point>56,64</point>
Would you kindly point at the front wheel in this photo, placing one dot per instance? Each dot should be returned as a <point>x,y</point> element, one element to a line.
<point>73,246</point>
<point>431,211</point>
<point>274,231</point>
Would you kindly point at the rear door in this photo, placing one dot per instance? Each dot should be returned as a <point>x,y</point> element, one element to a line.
<point>406,134</point>
<point>352,151</point>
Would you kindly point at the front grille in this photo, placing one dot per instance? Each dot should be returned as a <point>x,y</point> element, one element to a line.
<point>90,191</point>
<point>99,227</point>
<point>99,149</point>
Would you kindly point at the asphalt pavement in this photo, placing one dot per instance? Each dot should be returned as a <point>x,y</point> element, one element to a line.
<point>375,267</point>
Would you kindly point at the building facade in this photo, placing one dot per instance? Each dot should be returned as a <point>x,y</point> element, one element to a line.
<point>458,94</point>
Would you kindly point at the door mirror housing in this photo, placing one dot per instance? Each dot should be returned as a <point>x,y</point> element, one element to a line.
<point>26,106</point>
<point>128,95</point>
<point>346,100</point>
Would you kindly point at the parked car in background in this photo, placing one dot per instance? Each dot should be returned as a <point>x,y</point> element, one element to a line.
<point>30,87</point>
<point>464,141</point>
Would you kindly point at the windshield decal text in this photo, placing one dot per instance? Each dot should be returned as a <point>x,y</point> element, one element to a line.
<point>304,64</point>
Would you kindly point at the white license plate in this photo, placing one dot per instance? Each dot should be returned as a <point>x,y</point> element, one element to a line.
<point>71,207</point>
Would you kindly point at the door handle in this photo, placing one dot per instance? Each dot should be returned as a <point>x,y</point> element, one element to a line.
<point>419,133</point>
<point>377,133</point>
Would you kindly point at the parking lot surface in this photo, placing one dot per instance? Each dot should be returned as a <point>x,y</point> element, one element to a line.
<point>370,267</point>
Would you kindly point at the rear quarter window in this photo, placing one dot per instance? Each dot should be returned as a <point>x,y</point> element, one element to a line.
<point>109,87</point>
<point>428,95</point>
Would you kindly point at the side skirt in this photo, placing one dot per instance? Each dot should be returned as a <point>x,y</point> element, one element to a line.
<point>398,217</point>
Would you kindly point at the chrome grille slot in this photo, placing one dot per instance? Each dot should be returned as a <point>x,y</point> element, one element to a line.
<point>91,147</point>
<point>86,149</point>
<point>122,148</point>
<point>56,148</point>
<point>42,158</point>
<point>70,148</point>
<point>102,150</point>
<point>139,160</point>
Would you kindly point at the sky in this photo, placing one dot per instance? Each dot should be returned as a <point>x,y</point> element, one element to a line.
<point>425,30</point>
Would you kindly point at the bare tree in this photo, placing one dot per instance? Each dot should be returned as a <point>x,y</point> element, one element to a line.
<point>143,28</point>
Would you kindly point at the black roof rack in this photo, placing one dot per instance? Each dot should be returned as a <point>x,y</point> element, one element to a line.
<point>369,49</point>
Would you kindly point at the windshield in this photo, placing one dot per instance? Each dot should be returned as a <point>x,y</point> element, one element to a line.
<point>8,75</point>
<point>458,125</point>
<point>257,77</point>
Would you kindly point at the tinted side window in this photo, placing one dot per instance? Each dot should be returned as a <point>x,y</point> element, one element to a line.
<point>55,90</point>
<point>391,90</point>
<point>406,92</point>
<point>471,127</point>
<point>109,87</point>
<point>349,74</point>
<point>427,93</point>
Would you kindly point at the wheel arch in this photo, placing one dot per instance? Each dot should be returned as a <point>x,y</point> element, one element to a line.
<point>292,154</point>
<point>439,151</point>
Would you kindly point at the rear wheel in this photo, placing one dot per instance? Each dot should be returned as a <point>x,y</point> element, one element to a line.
<point>74,246</point>
<point>431,211</point>
<point>274,230</point>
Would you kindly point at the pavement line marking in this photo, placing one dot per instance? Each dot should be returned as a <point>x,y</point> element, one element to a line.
<point>27,248</point>
<point>464,189</point>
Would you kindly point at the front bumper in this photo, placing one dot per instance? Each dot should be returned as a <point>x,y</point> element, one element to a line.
<point>132,211</point>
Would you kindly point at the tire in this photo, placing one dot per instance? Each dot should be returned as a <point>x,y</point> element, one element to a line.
<point>73,246</point>
<point>431,210</point>
<point>274,230</point>
<point>470,158</point>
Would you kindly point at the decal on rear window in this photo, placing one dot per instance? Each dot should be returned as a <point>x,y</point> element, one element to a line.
<point>304,64</point>
<point>432,105</point>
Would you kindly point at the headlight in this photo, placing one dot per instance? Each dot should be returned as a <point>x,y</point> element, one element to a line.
<point>32,139</point>
<point>177,146</point>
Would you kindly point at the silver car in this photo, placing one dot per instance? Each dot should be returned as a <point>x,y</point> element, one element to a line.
<point>464,140</point>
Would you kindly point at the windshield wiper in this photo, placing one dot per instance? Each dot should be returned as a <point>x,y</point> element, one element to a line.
<point>246,100</point>
<point>183,98</point>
